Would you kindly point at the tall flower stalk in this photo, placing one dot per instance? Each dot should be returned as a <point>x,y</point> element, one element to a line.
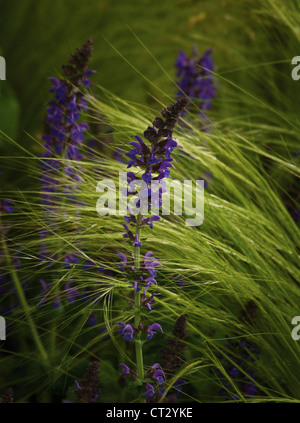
<point>61,159</point>
<point>154,159</point>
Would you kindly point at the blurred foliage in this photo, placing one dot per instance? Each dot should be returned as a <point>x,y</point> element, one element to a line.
<point>37,36</point>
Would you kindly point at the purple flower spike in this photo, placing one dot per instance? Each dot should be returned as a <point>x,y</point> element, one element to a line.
<point>155,159</point>
<point>126,370</point>
<point>63,113</point>
<point>152,328</point>
<point>126,331</point>
<point>196,78</point>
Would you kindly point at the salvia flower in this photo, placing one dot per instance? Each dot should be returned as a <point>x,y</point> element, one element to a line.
<point>126,331</point>
<point>145,276</point>
<point>152,328</point>
<point>147,302</point>
<point>159,376</point>
<point>195,77</point>
<point>149,391</point>
<point>149,282</point>
<point>126,370</point>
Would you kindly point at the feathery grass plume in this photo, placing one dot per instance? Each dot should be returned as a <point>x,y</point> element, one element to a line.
<point>8,396</point>
<point>88,387</point>
<point>155,160</point>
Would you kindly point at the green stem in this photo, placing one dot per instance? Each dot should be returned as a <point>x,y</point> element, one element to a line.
<point>137,305</point>
<point>23,302</point>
